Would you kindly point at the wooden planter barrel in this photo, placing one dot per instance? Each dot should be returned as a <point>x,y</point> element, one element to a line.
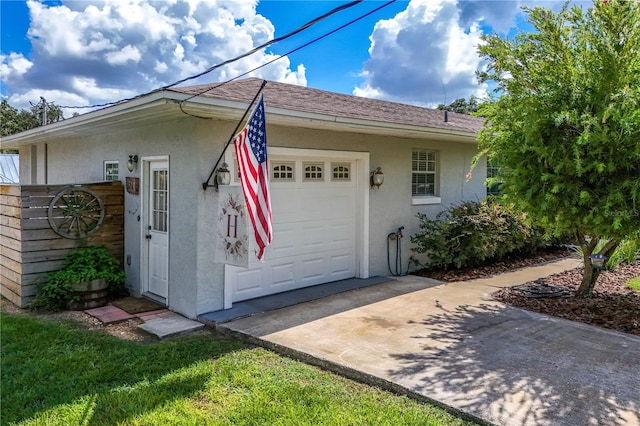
<point>92,294</point>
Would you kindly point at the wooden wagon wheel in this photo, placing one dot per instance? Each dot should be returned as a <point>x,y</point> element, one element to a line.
<point>75,212</point>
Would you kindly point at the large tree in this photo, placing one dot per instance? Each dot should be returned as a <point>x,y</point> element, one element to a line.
<point>462,106</point>
<point>13,121</point>
<point>566,122</point>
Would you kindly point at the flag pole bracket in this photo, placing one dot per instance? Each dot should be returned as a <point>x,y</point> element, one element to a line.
<point>206,183</point>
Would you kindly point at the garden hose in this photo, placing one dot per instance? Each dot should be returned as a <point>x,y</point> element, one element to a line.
<point>398,266</point>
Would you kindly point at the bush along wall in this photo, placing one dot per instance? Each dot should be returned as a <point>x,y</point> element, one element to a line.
<point>473,233</point>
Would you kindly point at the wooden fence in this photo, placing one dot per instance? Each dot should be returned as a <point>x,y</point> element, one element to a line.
<point>30,249</point>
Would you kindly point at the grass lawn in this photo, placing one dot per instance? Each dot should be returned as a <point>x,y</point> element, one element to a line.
<point>55,373</point>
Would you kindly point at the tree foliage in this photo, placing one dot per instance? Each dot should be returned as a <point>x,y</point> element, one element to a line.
<point>13,121</point>
<point>462,106</point>
<point>566,125</point>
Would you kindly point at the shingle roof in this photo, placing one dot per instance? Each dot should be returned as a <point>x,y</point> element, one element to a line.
<point>315,101</point>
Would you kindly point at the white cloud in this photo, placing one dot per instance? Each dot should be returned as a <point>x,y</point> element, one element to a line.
<point>106,50</point>
<point>91,90</point>
<point>127,54</point>
<point>161,67</point>
<point>423,55</point>
<point>24,100</point>
<point>427,54</point>
<point>98,51</point>
<point>13,66</point>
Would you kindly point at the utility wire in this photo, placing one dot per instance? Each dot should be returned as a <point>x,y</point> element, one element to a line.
<point>250,52</point>
<point>275,40</point>
<point>280,57</point>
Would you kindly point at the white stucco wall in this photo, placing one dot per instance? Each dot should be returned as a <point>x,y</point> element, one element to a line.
<point>193,145</point>
<point>390,206</point>
<point>81,160</point>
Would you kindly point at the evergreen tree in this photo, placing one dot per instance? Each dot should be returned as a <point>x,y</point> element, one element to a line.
<point>567,122</point>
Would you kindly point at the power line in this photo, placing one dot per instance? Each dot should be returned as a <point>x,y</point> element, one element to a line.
<point>282,56</point>
<point>229,61</point>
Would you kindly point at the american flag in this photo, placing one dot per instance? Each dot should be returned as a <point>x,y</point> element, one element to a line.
<point>251,152</point>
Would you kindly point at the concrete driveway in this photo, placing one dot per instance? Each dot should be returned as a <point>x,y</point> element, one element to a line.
<point>452,344</point>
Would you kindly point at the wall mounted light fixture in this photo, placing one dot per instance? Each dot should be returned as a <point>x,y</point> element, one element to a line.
<point>377,178</point>
<point>132,163</point>
<point>223,176</point>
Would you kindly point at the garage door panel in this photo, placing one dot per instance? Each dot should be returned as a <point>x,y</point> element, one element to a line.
<point>283,275</point>
<point>309,237</point>
<point>284,206</point>
<point>283,245</point>
<point>248,281</point>
<point>313,270</point>
<point>314,237</point>
<point>341,266</point>
<point>327,207</point>
<point>342,235</point>
<point>317,212</point>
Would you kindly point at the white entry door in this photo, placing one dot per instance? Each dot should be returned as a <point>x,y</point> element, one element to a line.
<point>156,228</point>
<point>314,206</point>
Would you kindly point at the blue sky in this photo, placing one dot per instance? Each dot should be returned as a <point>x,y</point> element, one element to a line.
<point>90,52</point>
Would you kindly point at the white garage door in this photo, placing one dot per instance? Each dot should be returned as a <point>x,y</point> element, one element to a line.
<point>314,208</point>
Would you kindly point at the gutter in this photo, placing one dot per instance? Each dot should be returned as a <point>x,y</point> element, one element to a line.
<point>225,109</point>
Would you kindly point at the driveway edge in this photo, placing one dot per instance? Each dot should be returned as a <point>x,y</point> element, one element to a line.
<point>346,372</point>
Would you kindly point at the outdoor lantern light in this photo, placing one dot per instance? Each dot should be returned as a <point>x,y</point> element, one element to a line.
<point>132,163</point>
<point>223,175</point>
<point>377,178</point>
<point>598,260</point>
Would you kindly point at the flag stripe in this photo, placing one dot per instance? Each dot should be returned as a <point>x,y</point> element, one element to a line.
<point>251,151</point>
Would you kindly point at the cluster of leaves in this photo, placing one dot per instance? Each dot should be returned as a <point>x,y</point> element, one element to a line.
<point>462,106</point>
<point>81,265</point>
<point>473,233</point>
<point>627,252</point>
<point>567,124</point>
<point>13,121</point>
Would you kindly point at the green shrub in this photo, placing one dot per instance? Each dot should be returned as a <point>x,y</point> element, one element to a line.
<point>634,283</point>
<point>81,265</point>
<point>627,252</point>
<point>472,233</point>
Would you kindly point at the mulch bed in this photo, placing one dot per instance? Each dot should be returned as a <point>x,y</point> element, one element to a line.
<point>612,305</point>
<point>495,268</point>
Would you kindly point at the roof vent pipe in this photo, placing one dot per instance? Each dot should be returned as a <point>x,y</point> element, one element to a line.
<point>446,116</point>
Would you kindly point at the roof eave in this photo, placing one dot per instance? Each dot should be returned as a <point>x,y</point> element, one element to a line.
<point>285,117</point>
<point>75,124</point>
<point>140,109</point>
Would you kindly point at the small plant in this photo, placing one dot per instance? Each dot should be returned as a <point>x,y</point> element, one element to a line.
<point>81,265</point>
<point>627,252</point>
<point>634,283</point>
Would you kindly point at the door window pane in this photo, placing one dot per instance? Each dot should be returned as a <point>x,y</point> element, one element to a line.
<point>160,194</point>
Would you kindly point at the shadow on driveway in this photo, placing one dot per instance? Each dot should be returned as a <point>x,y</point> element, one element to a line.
<point>515,367</point>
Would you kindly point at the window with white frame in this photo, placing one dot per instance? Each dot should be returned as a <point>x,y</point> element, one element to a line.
<point>424,173</point>
<point>110,170</point>
<point>340,172</point>
<point>313,171</point>
<point>282,171</point>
